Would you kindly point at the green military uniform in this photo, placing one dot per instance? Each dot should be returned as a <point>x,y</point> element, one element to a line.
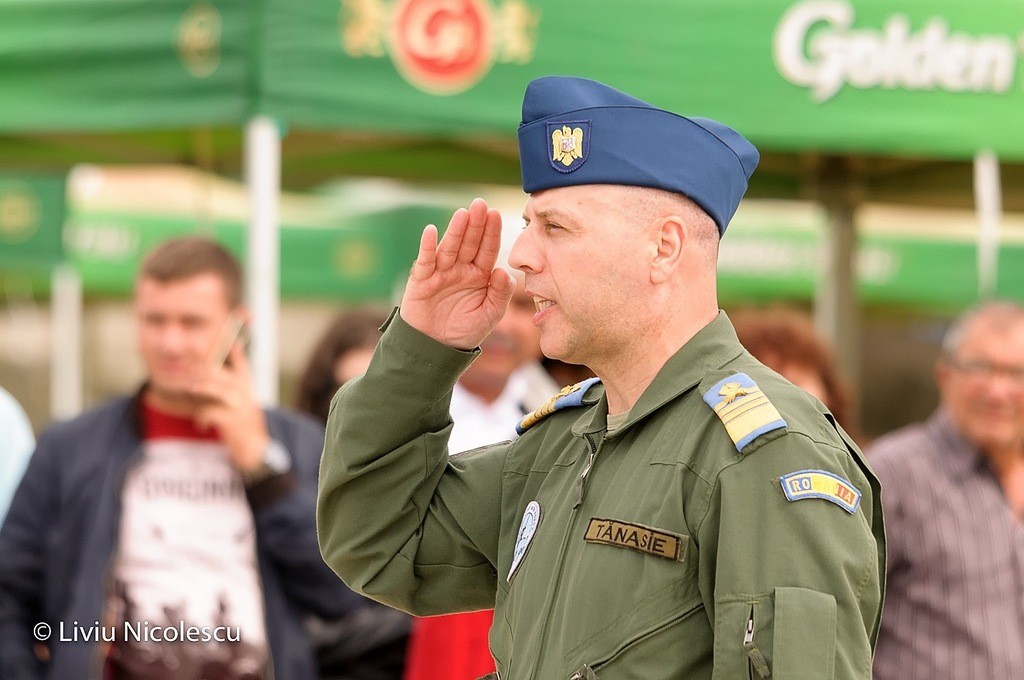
<point>659,551</point>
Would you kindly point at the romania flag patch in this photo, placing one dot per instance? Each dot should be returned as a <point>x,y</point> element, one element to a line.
<point>743,408</point>
<point>820,484</point>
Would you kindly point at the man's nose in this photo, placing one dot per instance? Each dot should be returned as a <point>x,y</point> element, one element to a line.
<point>172,339</point>
<point>524,254</point>
<point>1005,385</point>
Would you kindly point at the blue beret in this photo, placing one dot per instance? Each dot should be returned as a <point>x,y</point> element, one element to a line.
<point>578,131</point>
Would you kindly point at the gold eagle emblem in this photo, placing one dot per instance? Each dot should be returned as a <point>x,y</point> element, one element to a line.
<point>732,391</point>
<point>567,145</point>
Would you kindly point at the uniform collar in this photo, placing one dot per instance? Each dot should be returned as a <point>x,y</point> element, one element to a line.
<point>712,346</point>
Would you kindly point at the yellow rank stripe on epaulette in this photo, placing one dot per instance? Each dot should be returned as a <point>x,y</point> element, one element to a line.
<point>571,395</point>
<point>743,408</point>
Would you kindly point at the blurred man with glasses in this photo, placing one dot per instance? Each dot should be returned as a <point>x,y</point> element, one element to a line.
<point>953,496</point>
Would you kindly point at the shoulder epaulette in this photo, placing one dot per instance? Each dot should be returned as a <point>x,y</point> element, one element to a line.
<point>567,397</point>
<point>743,408</point>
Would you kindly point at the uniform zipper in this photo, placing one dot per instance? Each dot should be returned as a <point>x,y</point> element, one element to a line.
<point>677,617</point>
<point>581,482</point>
<point>585,673</point>
<point>756,659</point>
<point>565,546</point>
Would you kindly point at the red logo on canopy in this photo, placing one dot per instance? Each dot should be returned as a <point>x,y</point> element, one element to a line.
<point>442,46</point>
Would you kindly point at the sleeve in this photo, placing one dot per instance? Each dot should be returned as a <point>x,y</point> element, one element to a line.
<point>23,562</point>
<point>397,519</point>
<point>891,466</point>
<point>792,587</point>
<point>286,528</point>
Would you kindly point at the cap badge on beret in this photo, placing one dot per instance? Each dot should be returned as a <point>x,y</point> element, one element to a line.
<point>570,144</point>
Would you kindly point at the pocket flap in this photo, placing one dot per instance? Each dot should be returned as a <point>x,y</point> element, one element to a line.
<point>805,634</point>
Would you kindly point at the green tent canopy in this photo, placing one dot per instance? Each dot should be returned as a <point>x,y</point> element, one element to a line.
<point>425,88</point>
<point>32,209</point>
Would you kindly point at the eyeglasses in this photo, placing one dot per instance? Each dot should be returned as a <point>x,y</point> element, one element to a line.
<point>983,370</point>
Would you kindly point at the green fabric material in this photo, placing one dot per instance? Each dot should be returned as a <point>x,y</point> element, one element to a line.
<point>730,60</point>
<point>32,209</point>
<point>363,257</point>
<point>117,65</point>
<point>401,522</point>
<point>934,78</point>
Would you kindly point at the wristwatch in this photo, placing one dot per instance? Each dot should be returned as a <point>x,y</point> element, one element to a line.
<point>276,461</point>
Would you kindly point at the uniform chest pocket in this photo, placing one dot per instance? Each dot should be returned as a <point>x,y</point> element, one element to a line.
<point>643,652</point>
<point>789,633</point>
<point>628,586</point>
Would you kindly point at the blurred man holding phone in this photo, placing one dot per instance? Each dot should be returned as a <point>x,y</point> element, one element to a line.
<point>170,533</point>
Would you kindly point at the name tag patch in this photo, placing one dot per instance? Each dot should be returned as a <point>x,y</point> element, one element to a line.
<point>636,537</point>
<point>820,484</point>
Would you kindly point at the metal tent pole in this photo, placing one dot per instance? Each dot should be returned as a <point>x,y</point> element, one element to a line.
<point>263,179</point>
<point>988,205</point>
<point>65,342</point>
<point>836,308</point>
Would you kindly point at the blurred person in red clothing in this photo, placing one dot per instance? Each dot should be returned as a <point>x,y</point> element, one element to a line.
<point>170,534</point>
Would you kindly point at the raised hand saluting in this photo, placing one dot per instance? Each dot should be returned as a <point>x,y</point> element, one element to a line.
<point>454,294</point>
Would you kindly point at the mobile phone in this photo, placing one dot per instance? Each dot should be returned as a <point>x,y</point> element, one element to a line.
<point>233,330</point>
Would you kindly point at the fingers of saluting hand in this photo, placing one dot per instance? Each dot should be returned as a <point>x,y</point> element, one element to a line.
<point>451,242</point>
<point>475,229</point>
<point>461,241</point>
<point>500,289</point>
<point>426,260</point>
<point>490,242</point>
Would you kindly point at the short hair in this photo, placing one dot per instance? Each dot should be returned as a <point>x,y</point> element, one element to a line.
<point>352,330</point>
<point>183,258</point>
<point>1001,313</point>
<point>781,336</point>
<point>660,201</point>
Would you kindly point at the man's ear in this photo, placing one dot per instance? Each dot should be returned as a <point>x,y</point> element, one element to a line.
<point>669,239</point>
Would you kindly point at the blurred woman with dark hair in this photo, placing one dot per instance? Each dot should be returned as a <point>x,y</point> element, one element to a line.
<point>785,340</point>
<point>371,643</point>
<point>343,353</point>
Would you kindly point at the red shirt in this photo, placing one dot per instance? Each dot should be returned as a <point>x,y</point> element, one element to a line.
<point>450,647</point>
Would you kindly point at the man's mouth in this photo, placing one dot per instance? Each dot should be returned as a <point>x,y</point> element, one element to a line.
<point>541,303</point>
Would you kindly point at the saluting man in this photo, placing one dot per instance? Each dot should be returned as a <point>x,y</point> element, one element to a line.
<point>687,514</point>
